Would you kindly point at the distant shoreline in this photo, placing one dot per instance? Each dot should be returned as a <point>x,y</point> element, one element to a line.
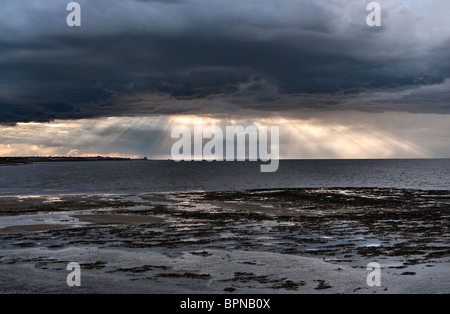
<point>30,160</point>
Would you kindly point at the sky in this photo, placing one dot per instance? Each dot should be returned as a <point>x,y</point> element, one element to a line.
<point>135,69</point>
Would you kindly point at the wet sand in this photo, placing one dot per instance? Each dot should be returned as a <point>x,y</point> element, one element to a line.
<point>119,219</point>
<point>260,241</point>
<point>30,228</point>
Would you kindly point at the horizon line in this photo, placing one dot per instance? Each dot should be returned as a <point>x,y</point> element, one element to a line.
<point>169,159</point>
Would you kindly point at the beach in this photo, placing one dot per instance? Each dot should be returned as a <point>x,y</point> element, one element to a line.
<point>239,147</point>
<point>309,240</point>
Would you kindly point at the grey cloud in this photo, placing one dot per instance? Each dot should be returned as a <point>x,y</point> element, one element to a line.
<point>241,55</point>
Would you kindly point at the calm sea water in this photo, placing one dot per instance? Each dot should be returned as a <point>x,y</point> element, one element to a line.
<point>131,177</point>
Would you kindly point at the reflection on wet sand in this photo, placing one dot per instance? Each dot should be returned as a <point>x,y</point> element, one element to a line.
<point>288,240</point>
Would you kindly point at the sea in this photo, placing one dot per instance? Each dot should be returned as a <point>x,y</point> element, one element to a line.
<point>147,176</point>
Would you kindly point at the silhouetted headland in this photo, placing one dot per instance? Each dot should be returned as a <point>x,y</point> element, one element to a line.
<point>29,160</point>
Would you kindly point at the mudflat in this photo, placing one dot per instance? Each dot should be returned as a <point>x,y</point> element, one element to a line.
<point>119,219</point>
<point>258,241</point>
<point>30,228</point>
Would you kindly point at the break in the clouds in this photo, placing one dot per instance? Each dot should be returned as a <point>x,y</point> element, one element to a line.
<point>116,85</point>
<point>321,136</point>
<point>221,56</point>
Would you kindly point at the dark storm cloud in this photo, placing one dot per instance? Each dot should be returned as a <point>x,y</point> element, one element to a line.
<point>205,56</point>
